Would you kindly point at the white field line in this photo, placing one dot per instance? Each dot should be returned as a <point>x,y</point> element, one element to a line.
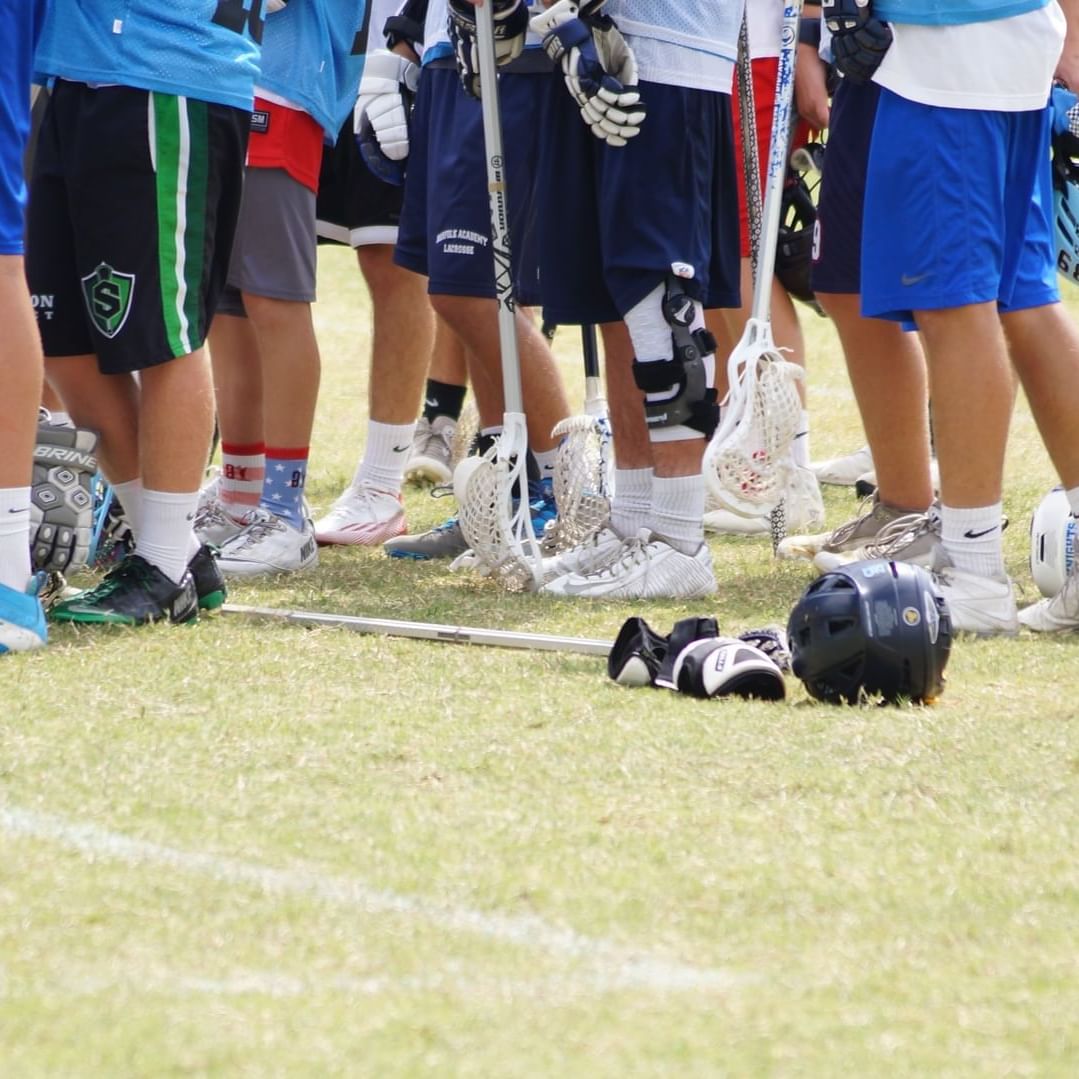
<point>609,966</point>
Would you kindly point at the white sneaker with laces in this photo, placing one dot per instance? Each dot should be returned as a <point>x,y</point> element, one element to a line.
<point>984,606</point>
<point>214,524</point>
<point>646,567</point>
<point>268,544</point>
<point>1059,613</point>
<point>429,460</point>
<point>843,471</point>
<point>586,557</point>
<point>857,532</point>
<point>363,517</point>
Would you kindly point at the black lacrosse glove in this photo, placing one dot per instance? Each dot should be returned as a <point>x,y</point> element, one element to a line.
<point>859,41</point>
<point>511,27</point>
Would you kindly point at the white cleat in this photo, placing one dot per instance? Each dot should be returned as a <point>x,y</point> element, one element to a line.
<point>646,567</point>
<point>843,471</point>
<point>268,544</point>
<point>362,517</point>
<point>429,460</point>
<point>849,536</point>
<point>1059,614</point>
<point>914,538</point>
<point>214,524</point>
<point>984,606</point>
<point>803,509</point>
<point>595,553</point>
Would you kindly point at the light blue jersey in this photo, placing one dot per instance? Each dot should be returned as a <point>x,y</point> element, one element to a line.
<point>312,56</point>
<point>952,12</point>
<point>203,49</point>
<point>708,26</point>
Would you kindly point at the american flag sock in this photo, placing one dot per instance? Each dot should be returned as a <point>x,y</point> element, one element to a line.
<point>283,484</point>
<point>242,471</point>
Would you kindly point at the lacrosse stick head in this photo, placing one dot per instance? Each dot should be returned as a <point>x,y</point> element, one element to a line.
<point>747,460</point>
<point>496,521</point>
<point>581,482</point>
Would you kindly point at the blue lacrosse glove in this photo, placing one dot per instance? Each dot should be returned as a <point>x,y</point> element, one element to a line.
<point>598,66</point>
<point>859,40</point>
<point>511,28</point>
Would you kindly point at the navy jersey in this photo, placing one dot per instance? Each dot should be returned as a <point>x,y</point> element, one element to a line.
<point>203,49</point>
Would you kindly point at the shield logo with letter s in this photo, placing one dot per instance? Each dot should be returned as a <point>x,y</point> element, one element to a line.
<point>108,298</point>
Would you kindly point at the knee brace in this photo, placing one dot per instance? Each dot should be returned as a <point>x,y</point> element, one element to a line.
<point>687,399</point>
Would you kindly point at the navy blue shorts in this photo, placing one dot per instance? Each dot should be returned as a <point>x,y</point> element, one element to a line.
<point>445,229</point>
<point>958,210</point>
<point>616,218</point>
<point>837,237</point>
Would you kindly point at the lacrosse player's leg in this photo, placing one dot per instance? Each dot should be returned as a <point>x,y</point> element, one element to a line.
<point>357,208</point>
<point>140,307</point>
<point>22,623</point>
<point>885,364</point>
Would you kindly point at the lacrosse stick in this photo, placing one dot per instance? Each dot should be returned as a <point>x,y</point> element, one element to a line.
<point>582,481</point>
<point>747,461</point>
<point>425,631</point>
<point>499,533</point>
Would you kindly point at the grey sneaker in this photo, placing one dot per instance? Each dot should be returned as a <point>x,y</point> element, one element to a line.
<point>914,537</point>
<point>443,541</point>
<point>863,529</point>
<point>432,450</point>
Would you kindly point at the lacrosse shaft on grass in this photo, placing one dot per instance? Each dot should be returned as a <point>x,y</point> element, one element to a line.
<point>424,631</point>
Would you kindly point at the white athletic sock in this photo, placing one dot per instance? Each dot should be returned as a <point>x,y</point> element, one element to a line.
<point>1072,495</point>
<point>972,538</point>
<point>385,456</point>
<point>60,419</point>
<point>165,540</point>
<point>800,447</point>
<point>545,462</point>
<point>678,510</point>
<point>130,496</point>
<point>631,508</point>
<point>15,537</point>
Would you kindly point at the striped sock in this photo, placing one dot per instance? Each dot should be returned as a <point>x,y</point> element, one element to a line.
<point>243,468</point>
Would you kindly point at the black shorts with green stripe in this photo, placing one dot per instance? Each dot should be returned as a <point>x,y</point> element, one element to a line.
<point>133,207</point>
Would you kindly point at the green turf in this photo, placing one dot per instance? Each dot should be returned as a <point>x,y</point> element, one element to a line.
<point>260,850</point>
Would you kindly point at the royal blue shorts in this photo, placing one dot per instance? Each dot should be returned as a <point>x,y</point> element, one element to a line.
<point>616,218</point>
<point>445,228</point>
<point>19,24</point>
<point>957,211</point>
<point>837,240</point>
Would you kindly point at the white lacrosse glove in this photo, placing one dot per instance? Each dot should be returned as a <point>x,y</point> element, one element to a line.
<point>599,68</point>
<point>510,25</point>
<point>384,103</point>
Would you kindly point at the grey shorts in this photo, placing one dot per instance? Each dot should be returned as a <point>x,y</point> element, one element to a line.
<point>274,254</point>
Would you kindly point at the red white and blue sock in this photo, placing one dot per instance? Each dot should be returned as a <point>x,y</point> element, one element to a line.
<point>283,484</point>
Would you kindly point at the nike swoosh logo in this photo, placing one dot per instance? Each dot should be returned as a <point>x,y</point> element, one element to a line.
<point>399,449</point>
<point>978,535</point>
<point>429,403</point>
<point>912,279</point>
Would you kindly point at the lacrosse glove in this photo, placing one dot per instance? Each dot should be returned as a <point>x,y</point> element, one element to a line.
<point>381,119</point>
<point>599,68</point>
<point>511,27</point>
<point>62,498</point>
<point>859,41</point>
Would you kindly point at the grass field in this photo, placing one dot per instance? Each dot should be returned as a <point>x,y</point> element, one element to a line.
<point>265,851</point>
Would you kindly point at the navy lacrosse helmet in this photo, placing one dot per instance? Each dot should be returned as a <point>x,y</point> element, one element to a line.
<point>797,222</point>
<point>873,629</point>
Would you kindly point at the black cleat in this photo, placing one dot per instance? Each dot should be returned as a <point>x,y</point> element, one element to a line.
<point>209,583</point>
<point>132,594</point>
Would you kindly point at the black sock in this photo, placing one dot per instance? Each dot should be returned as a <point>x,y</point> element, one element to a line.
<point>442,399</point>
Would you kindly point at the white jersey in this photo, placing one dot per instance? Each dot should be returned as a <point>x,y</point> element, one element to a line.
<point>690,43</point>
<point>1005,65</point>
<point>765,19</point>
<point>379,12</point>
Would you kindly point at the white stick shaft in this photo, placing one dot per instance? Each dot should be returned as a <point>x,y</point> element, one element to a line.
<point>500,230</point>
<point>777,159</point>
<point>425,631</point>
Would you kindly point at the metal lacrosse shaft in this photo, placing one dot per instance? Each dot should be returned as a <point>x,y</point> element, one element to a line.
<point>777,161</point>
<point>751,161</point>
<point>513,401</point>
<point>425,631</point>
